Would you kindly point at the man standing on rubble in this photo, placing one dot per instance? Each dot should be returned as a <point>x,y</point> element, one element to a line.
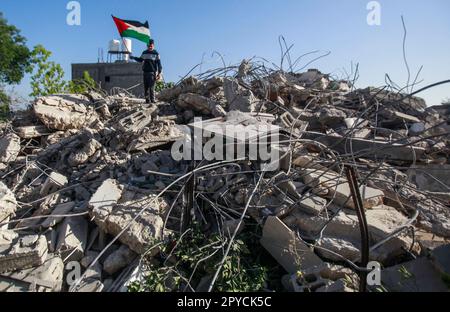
<point>152,69</point>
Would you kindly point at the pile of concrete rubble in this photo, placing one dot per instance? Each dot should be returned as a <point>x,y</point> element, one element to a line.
<point>90,180</point>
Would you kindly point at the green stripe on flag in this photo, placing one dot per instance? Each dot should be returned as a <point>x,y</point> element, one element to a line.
<point>130,33</point>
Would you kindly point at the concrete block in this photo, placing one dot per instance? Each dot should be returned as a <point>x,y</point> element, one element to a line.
<point>90,286</point>
<point>312,204</point>
<point>32,131</point>
<point>290,252</point>
<point>112,217</point>
<point>367,148</point>
<point>137,120</point>
<point>47,277</point>
<point>433,178</point>
<point>118,260</point>
<point>61,209</point>
<point>342,234</point>
<point>103,200</point>
<point>64,112</point>
<point>8,203</point>
<point>21,252</point>
<point>9,148</point>
<point>415,276</point>
<point>54,182</point>
<point>142,231</point>
<point>337,188</point>
<point>72,238</point>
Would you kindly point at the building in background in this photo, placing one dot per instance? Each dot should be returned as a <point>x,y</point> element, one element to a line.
<point>116,72</point>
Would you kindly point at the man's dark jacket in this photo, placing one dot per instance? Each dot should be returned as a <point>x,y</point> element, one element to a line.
<point>151,61</point>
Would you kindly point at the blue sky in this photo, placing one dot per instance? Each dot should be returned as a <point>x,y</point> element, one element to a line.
<point>187,31</point>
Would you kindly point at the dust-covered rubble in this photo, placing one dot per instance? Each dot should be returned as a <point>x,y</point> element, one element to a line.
<point>93,179</point>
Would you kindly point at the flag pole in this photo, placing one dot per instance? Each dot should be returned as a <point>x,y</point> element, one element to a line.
<point>123,41</point>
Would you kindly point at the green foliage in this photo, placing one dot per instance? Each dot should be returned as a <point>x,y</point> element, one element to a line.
<point>49,76</point>
<point>15,57</point>
<point>405,274</point>
<point>194,255</point>
<point>161,85</point>
<point>4,105</point>
<point>82,85</point>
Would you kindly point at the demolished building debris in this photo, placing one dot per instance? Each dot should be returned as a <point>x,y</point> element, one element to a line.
<point>91,178</point>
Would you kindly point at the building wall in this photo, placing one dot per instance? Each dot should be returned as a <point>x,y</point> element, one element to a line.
<point>110,75</point>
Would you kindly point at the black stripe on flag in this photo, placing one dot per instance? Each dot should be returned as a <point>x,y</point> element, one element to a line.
<point>136,23</point>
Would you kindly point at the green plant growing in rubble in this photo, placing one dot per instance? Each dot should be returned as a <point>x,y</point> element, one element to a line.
<point>79,86</point>
<point>191,256</point>
<point>161,85</point>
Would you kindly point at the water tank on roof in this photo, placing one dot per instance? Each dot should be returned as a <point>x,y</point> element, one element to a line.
<point>127,45</point>
<point>114,46</point>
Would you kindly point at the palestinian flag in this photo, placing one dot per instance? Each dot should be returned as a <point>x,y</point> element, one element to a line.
<point>133,29</point>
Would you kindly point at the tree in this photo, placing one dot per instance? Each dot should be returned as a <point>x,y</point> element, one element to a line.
<point>4,104</point>
<point>15,60</point>
<point>49,76</point>
<point>15,57</point>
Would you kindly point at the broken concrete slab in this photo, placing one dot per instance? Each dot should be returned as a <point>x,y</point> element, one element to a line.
<point>88,258</point>
<point>137,155</point>
<point>90,286</point>
<point>141,233</point>
<point>144,225</point>
<point>313,78</point>
<point>93,272</point>
<point>103,200</point>
<point>72,238</point>
<point>47,277</point>
<point>239,98</point>
<point>325,278</point>
<point>415,276</point>
<point>64,112</point>
<point>330,116</point>
<point>118,260</point>
<point>357,128</point>
<point>345,248</point>
<point>312,204</point>
<point>396,119</point>
<point>342,234</point>
<point>336,187</point>
<point>433,178</point>
<point>21,252</point>
<point>8,203</point>
<point>61,209</point>
<point>83,154</point>
<point>282,243</point>
<point>156,135</point>
<point>367,148</point>
<point>137,120</point>
<point>202,104</point>
<point>429,241</point>
<point>441,260</point>
<point>54,182</point>
<point>30,132</point>
<point>9,148</point>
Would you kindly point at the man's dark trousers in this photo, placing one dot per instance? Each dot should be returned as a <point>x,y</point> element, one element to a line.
<point>149,86</point>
